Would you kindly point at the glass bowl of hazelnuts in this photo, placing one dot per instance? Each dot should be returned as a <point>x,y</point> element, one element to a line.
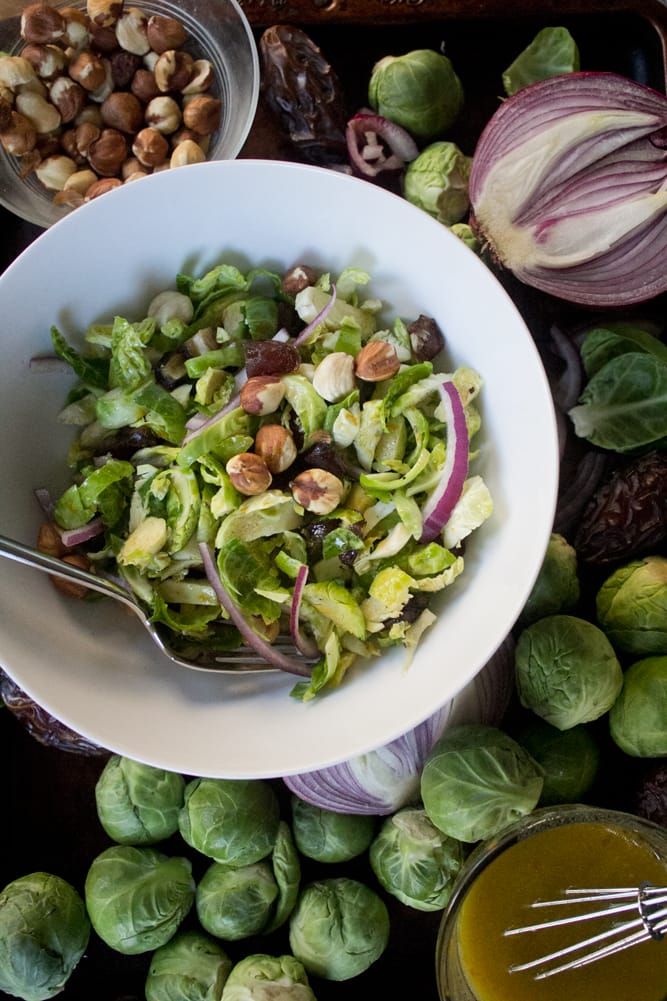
<point>99,93</point>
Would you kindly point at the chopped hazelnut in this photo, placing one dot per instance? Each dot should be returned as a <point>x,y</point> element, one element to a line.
<point>377,361</point>
<point>276,446</point>
<point>249,474</point>
<point>317,490</point>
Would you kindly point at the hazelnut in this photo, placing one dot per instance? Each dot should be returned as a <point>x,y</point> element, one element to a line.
<point>163,114</point>
<point>41,23</point>
<point>333,378</point>
<point>143,85</point>
<point>15,71</point>
<point>121,110</point>
<point>69,197</point>
<point>48,144</point>
<point>20,135</point>
<point>135,175</point>
<point>150,147</point>
<point>106,87</point>
<point>68,97</point>
<point>317,490</point>
<point>43,115</point>
<point>185,152</point>
<point>101,187</point>
<point>48,61</point>
<point>276,446</point>
<point>377,361</point>
<point>68,146</point>
<point>297,279</point>
<point>131,31</point>
<point>54,171</point>
<point>262,394</point>
<point>49,540</point>
<point>202,114</point>
<point>123,67</point>
<point>107,153</point>
<point>85,135</point>
<point>173,70</point>
<point>76,28</point>
<point>69,587</point>
<point>5,113</point>
<point>130,166</point>
<point>80,181</point>
<point>104,13</point>
<point>88,70</point>
<point>249,474</point>
<point>201,78</point>
<point>165,33</point>
<point>103,41</point>
<point>90,114</point>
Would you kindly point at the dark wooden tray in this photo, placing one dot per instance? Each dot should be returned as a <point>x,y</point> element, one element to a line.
<point>49,820</point>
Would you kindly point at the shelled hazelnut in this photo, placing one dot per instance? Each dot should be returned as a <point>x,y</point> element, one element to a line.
<point>103,94</point>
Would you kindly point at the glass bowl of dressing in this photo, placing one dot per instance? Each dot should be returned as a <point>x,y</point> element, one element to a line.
<point>538,858</point>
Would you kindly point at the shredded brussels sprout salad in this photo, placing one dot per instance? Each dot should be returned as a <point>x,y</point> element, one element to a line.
<point>266,454</point>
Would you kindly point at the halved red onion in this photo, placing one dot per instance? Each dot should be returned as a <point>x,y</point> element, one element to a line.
<point>568,188</point>
<point>272,656</point>
<point>439,506</point>
<point>375,144</point>
<point>304,644</point>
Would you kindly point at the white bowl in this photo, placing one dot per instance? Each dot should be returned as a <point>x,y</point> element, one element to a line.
<point>92,665</point>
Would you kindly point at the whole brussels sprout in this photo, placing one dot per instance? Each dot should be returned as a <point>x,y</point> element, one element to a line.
<point>569,759</point>
<point>476,780</point>
<point>338,928</point>
<point>327,836</point>
<point>234,821</point>
<point>189,967</point>
<point>419,90</point>
<point>437,182</point>
<point>566,670</point>
<point>632,606</point>
<point>136,803</point>
<point>236,903</point>
<point>137,897</point>
<point>638,718</point>
<point>44,931</point>
<point>260,977</point>
<point>414,861</point>
<point>557,586</point>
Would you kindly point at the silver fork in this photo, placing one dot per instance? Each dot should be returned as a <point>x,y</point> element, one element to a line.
<point>233,661</point>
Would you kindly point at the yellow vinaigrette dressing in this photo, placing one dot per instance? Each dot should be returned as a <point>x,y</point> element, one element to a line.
<point>542,867</point>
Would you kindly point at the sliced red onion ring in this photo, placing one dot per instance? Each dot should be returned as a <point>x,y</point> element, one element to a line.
<point>259,645</point>
<point>77,536</point>
<point>368,136</point>
<point>314,324</point>
<point>438,508</point>
<point>304,644</point>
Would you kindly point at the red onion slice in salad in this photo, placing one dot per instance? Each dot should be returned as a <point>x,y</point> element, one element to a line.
<point>304,644</point>
<point>439,506</point>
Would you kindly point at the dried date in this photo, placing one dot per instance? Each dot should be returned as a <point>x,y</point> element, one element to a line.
<point>304,93</point>
<point>627,515</point>
<point>270,358</point>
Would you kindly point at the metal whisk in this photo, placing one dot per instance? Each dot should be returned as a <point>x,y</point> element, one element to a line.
<point>648,903</point>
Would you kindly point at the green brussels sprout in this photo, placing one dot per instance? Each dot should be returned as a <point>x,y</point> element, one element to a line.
<point>476,780</point>
<point>234,821</point>
<point>557,586</point>
<point>437,182</point>
<point>566,670</point>
<point>327,836</point>
<point>553,51</point>
<point>137,897</point>
<point>632,606</point>
<point>44,931</point>
<point>638,718</point>
<point>189,967</point>
<point>569,759</point>
<point>414,861</point>
<point>136,803</point>
<point>236,903</point>
<point>419,90</point>
<point>260,977</point>
<point>338,928</point>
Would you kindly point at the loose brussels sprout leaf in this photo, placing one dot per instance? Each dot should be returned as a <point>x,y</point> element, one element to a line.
<point>44,931</point>
<point>419,90</point>
<point>476,780</point>
<point>233,903</point>
<point>638,718</point>
<point>437,182</point>
<point>190,967</point>
<point>632,606</point>
<point>471,510</point>
<point>569,758</point>
<point>136,803</point>
<point>553,51</point>
<point>137,897</point>
<point>234,821</point>
<point>260,977</point>
<point>566,670</point>
<point>338,928</point>
<point>414,861</point>
<point>557,586</point>
<point>287,874</point>
<point>327,836</point>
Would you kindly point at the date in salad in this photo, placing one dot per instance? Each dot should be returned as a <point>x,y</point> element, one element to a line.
<point>264,455</point>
